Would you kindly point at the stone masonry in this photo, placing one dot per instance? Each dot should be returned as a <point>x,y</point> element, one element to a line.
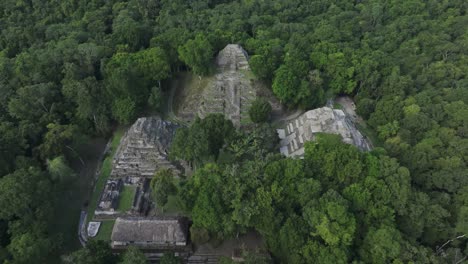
<point>144,149</point>
<point>324,120</point>
<point>231,91</point>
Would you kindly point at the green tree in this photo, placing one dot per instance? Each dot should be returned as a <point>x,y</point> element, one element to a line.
<point>197,54</point>
<point>267,58</point>
<point>153,64</point>
<point>331,220</point>
<point>13,145</point>
<point>58,139</point>
<point>95,252</point>
<point>170,258</point>
<point>34,103</point>
<point>59,169</point>
<point>381,245</point>
<point>203,140</point>
<point>91,101</point>
<point>162,186</point>
<point>29,248</point>
<point>285,83</point>
<point>127,30</point>
<point>203,198</point>
<point>314,251</point>
<point>133,256</point>
<point>260,110</point>
<point>124,110</point>
<point>22,192</point>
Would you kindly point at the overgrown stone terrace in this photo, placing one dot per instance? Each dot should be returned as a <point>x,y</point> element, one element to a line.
<point>320,120</point>
<point>144,149</point>
<point>231,91</point>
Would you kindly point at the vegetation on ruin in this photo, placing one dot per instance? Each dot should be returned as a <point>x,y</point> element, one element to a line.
<point>260,111</point>
<point>74,69</point>
<point>162,186</point>
<point>126,198</point>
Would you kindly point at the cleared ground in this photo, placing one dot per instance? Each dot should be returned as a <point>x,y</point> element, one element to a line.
<point>105,231</point>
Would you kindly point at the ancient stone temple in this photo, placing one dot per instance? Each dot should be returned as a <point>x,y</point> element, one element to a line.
<point>231,91</point>
<point>144,149</point>
<point>321,120</point>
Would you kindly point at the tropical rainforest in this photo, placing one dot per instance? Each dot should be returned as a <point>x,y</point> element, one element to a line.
<point>71,70</point>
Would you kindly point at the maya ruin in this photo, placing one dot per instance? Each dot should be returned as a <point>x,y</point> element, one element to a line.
<point>144,150</point>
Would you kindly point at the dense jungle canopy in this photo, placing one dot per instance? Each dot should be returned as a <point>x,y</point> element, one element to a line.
<point>71,70</point>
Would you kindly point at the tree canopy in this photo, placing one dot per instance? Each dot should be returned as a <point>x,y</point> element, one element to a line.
<point>73,69</point>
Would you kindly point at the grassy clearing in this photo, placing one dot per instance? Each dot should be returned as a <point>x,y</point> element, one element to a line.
<point>105,231</point>
<point>104,174</point>
<point>126,198</point>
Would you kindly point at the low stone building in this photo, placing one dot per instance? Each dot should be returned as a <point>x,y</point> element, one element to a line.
<point>150,233</point>
<point>320,120</point>
<point>109,200</point>
<point>144,149</point>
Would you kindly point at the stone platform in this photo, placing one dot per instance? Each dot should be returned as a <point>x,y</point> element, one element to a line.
<point>144,149</point>
<point>320,120</point>
<point>231,91</point>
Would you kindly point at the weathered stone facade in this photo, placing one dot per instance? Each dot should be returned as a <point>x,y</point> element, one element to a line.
<point>321,120</point>
<point>144,149</point>
<point>109,200</point>
<point>231,92</point>
<point>153,233</point>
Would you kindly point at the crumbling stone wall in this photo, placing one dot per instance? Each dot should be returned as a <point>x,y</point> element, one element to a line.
<point>231,92</point>
<point>320,120</point>
<point>144,149</point>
